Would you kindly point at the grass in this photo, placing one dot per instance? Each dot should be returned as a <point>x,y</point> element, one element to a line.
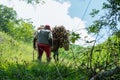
<point>16,63</point>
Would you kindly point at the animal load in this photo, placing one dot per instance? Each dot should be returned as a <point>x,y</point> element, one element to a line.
<point>61,35</point>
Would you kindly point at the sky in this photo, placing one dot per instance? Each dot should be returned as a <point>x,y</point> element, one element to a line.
<point>73,14</point>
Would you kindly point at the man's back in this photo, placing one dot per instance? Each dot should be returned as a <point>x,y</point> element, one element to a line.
<point>43,36</point>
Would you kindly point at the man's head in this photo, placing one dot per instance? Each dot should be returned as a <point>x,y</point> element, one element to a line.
<point>47,27</point>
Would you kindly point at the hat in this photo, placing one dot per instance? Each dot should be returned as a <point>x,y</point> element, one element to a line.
<point>47,27</point>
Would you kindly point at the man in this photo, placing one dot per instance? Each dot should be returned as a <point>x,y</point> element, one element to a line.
<point>42,37</point>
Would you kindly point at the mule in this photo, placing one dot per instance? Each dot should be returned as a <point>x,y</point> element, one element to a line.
<point>61,42</point>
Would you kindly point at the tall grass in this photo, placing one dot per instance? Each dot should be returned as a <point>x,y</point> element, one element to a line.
<point>16,63</point>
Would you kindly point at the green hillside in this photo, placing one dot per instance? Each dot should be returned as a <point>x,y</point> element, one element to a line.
<point>79,63</point>
<point>16,63</point>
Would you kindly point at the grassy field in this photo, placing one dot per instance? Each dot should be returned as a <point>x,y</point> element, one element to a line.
<point>16,63</point>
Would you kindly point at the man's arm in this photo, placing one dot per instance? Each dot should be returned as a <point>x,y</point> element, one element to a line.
<point>35,40</point>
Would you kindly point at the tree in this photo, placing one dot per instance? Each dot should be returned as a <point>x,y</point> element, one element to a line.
<point>6,15</point>
<point>111,19</point>
<point>23,30</point>
<point>19,29</point>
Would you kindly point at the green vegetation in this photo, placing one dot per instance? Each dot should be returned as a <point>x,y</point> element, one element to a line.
<point>16,63</point>
<point>19,29</point>
<point>79,63</point>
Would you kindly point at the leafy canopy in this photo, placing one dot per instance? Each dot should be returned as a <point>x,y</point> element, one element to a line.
<point>111,18</point>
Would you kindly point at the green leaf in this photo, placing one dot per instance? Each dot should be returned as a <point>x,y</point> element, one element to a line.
<point>94,12</point>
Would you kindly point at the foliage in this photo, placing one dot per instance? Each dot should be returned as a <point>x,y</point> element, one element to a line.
<point>74,36</point>
<point>18,28</point>
<point>105,56</point>
<point>111,18</point>
<point>6,15</point>
<point>77,63</point>
<point>16,63</point>
<point>21,31</point>
<point>94,12</point>
<point>74,64</point>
